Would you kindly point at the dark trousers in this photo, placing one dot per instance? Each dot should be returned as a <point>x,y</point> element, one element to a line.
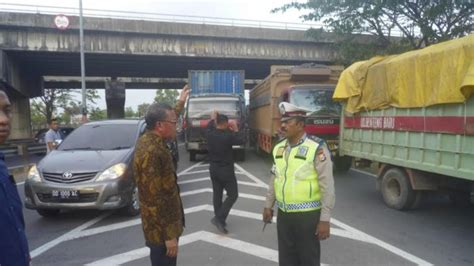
<point>158,256</point>
<point>223,178</point>
<point>297,242</point>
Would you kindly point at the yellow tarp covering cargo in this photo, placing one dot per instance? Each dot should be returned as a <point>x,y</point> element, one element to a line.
<point>438,74</point>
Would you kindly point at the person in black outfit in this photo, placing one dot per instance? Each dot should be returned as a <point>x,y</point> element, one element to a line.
<point>221,136</point>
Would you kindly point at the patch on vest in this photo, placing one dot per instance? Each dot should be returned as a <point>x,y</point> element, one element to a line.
<point>279,153</point>
<point>302,151</point>
<point>321,156</point>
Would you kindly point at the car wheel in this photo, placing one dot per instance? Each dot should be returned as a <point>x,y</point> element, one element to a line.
<point>48,212</point>
<point>133,208</point>
<point>342,163</point>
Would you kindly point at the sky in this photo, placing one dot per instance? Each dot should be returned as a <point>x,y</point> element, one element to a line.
<point>236,9</point>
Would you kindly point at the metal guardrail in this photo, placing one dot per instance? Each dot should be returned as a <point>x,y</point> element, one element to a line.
<point>13,150</point>
<point>149,16</point>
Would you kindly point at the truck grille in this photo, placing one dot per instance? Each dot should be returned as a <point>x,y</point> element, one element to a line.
<point>75,178</point>
<point>83,198</point>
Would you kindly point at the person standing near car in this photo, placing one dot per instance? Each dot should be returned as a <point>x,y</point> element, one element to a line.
<point>155,176</point>
<point>53,136</point>
<point>221,136</point>
<point>13,242</point>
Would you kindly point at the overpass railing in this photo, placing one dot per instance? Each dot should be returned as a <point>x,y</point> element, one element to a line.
<point>149,16</point>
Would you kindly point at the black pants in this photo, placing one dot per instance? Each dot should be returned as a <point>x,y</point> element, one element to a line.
<point>158,256</point>
<point>297,242</point>
<point>223,177</point>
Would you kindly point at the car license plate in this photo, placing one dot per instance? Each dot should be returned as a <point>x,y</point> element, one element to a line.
<point>65,194</point>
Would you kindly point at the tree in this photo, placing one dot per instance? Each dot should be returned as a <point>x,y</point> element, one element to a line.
<point>129,112</point>
<point>52,99</point>
<point>420,23</point>
<point>96,114</point>
<point>142,108</point>
<point>169,96</point>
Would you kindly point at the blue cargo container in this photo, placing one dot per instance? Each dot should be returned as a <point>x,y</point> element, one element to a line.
<point>216,81</point>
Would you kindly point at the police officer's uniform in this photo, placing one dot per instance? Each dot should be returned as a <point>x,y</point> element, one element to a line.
<point>303,187</point>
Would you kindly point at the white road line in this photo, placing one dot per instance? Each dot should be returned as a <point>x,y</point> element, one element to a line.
<point>363,172</point>
<point>223,241</point>
<point>187,169</point>
<point>370,239</point>
<point>181,144</point>
<point>21,183</point>
<point>250,184</point>
<point>249,175</point>
<point>194,172</point>
<point>40,250</point>
<point>209,190</point>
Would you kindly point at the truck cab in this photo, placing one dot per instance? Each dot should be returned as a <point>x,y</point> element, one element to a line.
<point>324,116</point>
<point>198,114</point>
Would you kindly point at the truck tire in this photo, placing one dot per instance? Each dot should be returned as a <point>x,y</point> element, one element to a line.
<point>342,163</point>
<point>192,156</point>
<point>48,213</point>
<point>396,190</point>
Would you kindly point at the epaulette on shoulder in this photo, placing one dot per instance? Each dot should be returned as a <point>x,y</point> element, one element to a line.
<point>316,139</point>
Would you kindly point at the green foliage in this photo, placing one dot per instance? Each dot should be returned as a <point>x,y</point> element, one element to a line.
<point>142,108</point>
<point>169,96</point>
<point>130,113</point>
<point>96,114</point>
<point>419,23</point>
<point>43,108</point>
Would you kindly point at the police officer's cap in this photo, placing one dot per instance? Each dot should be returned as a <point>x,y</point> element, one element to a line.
<point>289,111</point>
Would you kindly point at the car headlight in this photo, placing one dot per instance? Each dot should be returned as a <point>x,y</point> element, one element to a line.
<point>113,172</point>
<point>34,174</point>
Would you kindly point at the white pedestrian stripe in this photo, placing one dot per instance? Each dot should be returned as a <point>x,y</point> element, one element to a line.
<point>341,229</point>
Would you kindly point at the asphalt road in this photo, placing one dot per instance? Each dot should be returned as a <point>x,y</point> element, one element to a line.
<point>364,230</point>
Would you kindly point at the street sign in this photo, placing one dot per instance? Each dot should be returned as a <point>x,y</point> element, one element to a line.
<point>61,22</point>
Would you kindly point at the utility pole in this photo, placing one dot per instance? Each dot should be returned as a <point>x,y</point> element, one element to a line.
<point>83,67</point>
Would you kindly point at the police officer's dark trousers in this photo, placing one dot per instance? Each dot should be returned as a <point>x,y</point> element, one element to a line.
<point>297,243</point>
<point>223,178</point>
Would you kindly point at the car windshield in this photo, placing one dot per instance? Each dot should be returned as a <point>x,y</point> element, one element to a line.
<point>318,101</point>
<point>202,108</point>
<point>101,137</point>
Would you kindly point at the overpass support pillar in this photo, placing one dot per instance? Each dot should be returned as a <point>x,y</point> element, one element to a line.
<point>21,120</point>
<point>115,98</point>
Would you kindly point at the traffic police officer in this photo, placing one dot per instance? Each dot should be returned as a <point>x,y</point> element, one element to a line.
<point>302,184</point>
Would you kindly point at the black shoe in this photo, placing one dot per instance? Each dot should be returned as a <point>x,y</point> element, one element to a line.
<point>219,225</point>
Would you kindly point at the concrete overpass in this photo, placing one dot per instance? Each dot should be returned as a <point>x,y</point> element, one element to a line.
<point>32,48</point>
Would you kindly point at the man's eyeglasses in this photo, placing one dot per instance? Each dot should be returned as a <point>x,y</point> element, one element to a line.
<point>170,121</point>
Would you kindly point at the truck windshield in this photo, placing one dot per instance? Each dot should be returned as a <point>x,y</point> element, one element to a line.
<point>318,101</point>
<point>202,108</point>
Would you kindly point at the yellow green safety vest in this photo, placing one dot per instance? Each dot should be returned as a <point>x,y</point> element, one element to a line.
<point>296,180</point>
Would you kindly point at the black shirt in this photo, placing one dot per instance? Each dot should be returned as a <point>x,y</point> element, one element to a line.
<point>220,142</point>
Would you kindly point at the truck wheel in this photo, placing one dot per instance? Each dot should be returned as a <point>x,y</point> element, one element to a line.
<point>192,156</point>
<point>133,209</point>
<point>343,163</point>
<point>396,190</point>
<point>48,213</point>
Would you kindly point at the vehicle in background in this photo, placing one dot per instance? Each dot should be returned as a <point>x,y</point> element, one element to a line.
<point>307,86</point>
<point>422,135</point>
<point>220,90</point>
<point>39,137</point>
<point>91,169</point>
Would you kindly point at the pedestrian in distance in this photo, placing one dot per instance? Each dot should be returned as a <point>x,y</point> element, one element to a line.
<point>302,184</point>
<point>13,242</point>
<point>221,136</point>
<point>155,177</point>
<point>53,136</point>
